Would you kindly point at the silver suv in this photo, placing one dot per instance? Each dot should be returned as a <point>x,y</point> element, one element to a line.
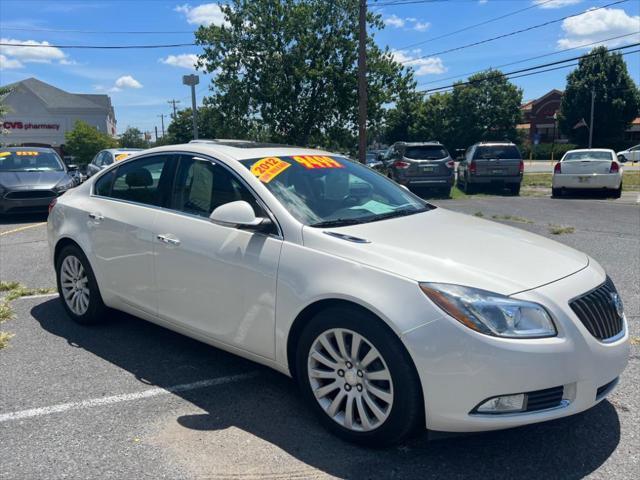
<point>491,164</point>
<point>421,164</point>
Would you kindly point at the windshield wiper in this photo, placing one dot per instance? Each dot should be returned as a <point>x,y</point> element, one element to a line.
<point>340,222</point>
<point>398,213</point>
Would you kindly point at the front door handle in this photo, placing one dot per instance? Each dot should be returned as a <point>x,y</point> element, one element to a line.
<point>168,238</point>
<point>96,216</point>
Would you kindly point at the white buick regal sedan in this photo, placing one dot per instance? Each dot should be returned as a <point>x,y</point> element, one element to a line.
<point>392,314</point>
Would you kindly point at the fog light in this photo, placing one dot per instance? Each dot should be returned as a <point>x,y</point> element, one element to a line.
<point>503,404</point>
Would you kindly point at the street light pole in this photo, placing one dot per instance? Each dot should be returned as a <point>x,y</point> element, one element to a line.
<point>192,81</point>
<point>362,81</point>
<point>162,122</point>
<point>593,97</point>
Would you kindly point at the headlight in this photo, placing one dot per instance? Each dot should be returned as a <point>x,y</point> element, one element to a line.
<point>491,313</point>
<point>64,185</point>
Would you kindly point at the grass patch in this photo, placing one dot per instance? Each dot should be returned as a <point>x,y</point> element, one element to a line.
<point>6,286</point>
<point>560,229</point>
<point>5,312</point>
<point>478,214</point>
<point>512,218</point>
<point>4,339</point>
<point>630,180</point>
<point>22,291</point>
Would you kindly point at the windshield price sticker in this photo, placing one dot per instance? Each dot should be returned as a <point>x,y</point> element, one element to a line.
<point>317,161</point>
<point>122,156</point>
<point>33,154</point>
<point>269,168</point>
<point>4,154</point>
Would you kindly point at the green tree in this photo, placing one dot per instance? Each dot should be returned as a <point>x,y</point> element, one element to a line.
<point>287,70</point>
<point>433,119</point>
<point>133,138</point>
<point>486,107</point>
<point>617,99</point>
<point>210,125</point>
<point>4,91</point>
<point>84,141</point>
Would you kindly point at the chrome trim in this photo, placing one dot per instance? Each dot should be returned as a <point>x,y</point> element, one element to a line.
<point>348,238</point>
<point>563,404</point>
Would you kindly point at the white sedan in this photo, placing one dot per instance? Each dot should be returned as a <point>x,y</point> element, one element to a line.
<point>631,154</point>
<point>592,169</point>
<point>327,271</point>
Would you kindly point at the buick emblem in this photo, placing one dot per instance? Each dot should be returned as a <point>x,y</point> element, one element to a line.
<point>617,303</point>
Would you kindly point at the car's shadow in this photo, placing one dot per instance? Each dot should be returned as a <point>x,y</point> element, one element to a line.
<point>18,219</point>
<point>269,407</point>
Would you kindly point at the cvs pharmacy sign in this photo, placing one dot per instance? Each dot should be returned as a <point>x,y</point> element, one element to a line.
<point>30,126</point>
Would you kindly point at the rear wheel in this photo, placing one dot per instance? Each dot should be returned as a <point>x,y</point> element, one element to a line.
<point>556,192</point>
<point>77,287</point>
<point>358,377</point>
<point>467,187</point>
<point>514,188</point>
<point>618,192</point>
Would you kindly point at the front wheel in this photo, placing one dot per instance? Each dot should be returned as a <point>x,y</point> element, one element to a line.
<point>358,377</point>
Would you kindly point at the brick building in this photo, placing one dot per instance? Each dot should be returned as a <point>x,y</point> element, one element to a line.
<point>539,118</point>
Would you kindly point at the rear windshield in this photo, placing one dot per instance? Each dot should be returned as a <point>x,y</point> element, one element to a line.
<point>501,152</point>
<point>587,156</point>
<point>426,152</point>
<point>29,161</point>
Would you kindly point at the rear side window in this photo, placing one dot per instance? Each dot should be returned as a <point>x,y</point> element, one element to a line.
<point>426,152</point>
<point>501,152</point>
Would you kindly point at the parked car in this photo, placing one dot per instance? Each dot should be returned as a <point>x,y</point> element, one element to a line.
<point>385,317</point>
<point>631,154</point>
<point>104,158</point>
<point>373,161</point>
<point>30,177</point>
<point>495,164</point>
<point>421,164</point>
<point>592,169</point>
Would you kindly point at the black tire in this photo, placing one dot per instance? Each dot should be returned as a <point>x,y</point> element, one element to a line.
<point>96,311</point>
<point>514,188</point>
<point>467,187</point>
<point>407,409</point>
<point>556,192</point>
<point>618,192</point>
<point>622,159</point>
<point>444,192</point>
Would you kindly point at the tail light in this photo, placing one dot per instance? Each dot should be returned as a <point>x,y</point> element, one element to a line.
<point>52,204</point>
<point>401,164</point>
<point>472,168</point>
<point>450,164</point>
<point>615,168</point>
<point>521,167</point>
<point>557,168</point>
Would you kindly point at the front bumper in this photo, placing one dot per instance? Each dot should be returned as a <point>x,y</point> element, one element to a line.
<point>587,181</point>
<point>460,368</point>
<point>25,205</point>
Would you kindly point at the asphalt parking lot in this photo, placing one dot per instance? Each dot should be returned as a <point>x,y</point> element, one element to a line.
<point>129,399</point>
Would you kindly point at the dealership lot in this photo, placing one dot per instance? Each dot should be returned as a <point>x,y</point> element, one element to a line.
<point>131,399</point>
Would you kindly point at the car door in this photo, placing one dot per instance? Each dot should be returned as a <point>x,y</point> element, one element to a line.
<point>121,214</point>
<point>215,280</point>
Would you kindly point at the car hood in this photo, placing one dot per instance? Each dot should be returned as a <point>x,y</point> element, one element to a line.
<point>448,247</point>
<point>21,180</point>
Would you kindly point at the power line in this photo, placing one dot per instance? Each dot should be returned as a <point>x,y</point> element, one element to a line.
<point>530,69</point>
<point>510,34</point>
<point>99,47</point>
<point>133,32</point>
<point>530,58</point>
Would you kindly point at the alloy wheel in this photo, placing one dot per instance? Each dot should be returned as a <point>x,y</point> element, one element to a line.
<point>350,379</point>
<point>74,283</point>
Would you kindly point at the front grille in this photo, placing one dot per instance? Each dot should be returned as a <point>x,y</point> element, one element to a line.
<point>543,399</point>
<point>597,311</point>
<point>26,194</point>
<point>606,388</point>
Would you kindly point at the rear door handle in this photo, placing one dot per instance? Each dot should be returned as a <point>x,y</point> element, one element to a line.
<point>168,238</point>
<point>96,216</point>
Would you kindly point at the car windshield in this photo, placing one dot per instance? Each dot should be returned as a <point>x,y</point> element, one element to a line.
<point>324,191</point>
<point>425,152</point>
<point>500,152</point>
<point>586,155</point>
<point>372,158</point>
<point>29,161</point>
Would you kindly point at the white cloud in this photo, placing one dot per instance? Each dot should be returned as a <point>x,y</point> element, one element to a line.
<point>40,52</point>
<point>555,3</point>
<point>421,66</point>
<point>394,21</point>
<point>9,63</point>
<point>421,26</point>
<point>127,81</point>
<point>205,14</point>
<point>595,25</point>
<point>184,60</point>
<point>483,2</point>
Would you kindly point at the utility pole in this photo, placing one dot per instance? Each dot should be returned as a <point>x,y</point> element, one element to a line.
<point>162,122</point>
<point>593,97</point>
<point>362,81</point>
<point>173,102</point>
<point>192,81</point>
<point>156,128</point>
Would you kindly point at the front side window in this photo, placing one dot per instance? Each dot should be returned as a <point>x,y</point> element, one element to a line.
<point>142,181</point>
<point>29,161</point>
<point>201,186</point>
<point>323,190</point>
<point>106,159</point>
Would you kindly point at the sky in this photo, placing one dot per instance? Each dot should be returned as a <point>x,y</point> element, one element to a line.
<point>141,82</point>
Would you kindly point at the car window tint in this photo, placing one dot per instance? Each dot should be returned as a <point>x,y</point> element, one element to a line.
<point>107,159</point>
<point>425,152</point>
<point>202,186</point>
<point>140,181</point>
<point>501,152</point>
<point>103,185</point>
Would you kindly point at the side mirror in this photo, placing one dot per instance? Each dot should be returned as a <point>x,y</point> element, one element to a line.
<point>240,215</point>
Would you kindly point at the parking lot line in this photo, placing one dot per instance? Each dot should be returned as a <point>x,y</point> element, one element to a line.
<point>128,397</point>
<point>19,229</point>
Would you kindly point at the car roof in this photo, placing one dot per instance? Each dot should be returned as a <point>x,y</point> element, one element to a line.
<point>118,150</point>
<point>591,150</point>
<point>418,144</point>
<point>491,144</point>
<point>240,151</point>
